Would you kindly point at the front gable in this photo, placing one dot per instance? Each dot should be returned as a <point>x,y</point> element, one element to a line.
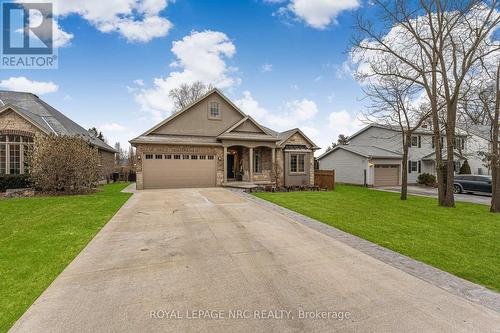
<point>11,121</point>
<point>297,138</point>
<point>248,126</point>
<point>196,119</point>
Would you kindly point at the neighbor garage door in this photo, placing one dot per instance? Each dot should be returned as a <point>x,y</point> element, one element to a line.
<point>386,175</point>
<point>178,171</point>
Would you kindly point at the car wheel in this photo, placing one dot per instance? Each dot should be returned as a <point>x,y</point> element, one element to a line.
<point>457,189</point>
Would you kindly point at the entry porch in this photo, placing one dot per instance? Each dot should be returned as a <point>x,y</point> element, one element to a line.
<point>248,164</point>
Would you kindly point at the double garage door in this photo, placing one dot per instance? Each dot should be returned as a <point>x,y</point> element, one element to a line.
<point>178,171</point>
<point>386,174</point>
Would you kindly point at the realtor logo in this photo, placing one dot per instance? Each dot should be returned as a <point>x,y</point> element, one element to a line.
<point>27,36</point>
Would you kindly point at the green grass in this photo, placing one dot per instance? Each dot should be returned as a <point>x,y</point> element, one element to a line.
<point>40,236</point>
<point>464,241</point>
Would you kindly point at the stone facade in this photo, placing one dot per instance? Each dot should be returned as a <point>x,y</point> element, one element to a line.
<point>107,164</point>
<point>143,149</point>
<point>13,124</point>
<point>11,121</point>
<point>298,139</point>
<point>280,173</point>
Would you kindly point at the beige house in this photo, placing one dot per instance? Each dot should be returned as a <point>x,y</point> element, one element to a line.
<point>213,143</point>
<point>22,116</point>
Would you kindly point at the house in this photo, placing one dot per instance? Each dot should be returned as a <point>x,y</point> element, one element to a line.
<point>374,155</point>
<point>213,143</point>
<point>22,116</point>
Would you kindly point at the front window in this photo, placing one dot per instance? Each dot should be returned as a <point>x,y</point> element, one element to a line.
<point>415,140</point>
<point>14,151</point>
<point>459,143</point>
<point>214,110</point>
<point>297,163</point>
<point>257,162</point>
<point>3,158</point>
<point>413,166</point>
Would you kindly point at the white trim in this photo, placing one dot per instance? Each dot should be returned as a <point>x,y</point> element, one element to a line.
<point>43,118</point>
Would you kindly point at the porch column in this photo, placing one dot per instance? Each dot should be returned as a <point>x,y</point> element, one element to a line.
<point>250,153</point>
<point>274,168</point>
<point>273,162</point>
<point>225,164</point>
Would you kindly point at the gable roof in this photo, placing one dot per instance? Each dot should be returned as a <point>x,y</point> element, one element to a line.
<point>230,133</point>
<point>45,117</point>
<point>365,151</point>
<point>244,120</point>
<point>178,113</point>
<point>284,136</point>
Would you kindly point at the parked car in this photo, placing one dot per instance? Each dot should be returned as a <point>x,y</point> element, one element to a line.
<point>472,183</point>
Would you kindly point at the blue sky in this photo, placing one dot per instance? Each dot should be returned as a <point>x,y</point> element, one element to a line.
<point>284,62</point>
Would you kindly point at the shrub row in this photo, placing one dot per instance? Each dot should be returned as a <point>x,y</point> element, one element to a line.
<point>14,181</point>
<point>426,179</point>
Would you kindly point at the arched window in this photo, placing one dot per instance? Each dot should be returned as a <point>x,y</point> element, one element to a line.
<point>13,154</point>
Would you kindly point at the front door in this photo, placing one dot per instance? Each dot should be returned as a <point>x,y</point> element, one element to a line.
<point>230,166</point>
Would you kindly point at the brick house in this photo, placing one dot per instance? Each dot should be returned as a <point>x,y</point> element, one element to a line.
<point>22,116</point>
<point>213,143</point>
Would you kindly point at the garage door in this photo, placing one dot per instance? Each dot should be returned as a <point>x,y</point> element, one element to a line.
<point>178,171</point>
<point>386,175</point>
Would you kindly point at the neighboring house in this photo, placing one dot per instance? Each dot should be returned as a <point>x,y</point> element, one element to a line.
<point>22,115</point>
<point>213,143</point>
<point>374,155</point>
<point>480,140</point>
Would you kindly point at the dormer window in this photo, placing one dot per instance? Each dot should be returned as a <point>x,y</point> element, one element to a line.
<point>214,110</point>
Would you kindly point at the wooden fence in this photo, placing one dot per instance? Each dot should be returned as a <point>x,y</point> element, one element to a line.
<point>325,179</point>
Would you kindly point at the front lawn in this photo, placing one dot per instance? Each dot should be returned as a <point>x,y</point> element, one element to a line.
<point>40,236</point>
<point>464,241</point>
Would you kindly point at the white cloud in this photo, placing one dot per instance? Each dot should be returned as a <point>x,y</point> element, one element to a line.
<point>25,85</point>
<point>318,13</point>
<point>113,127</point>
<point>266,68</point>
<point>343,122</point>
<point>201,56</point>
<point>292,114</point>
<point>61,37</point>
<point>139,82</point>
<point>136,20</point>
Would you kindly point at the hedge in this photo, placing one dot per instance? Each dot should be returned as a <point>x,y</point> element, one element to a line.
<point>14,181</point>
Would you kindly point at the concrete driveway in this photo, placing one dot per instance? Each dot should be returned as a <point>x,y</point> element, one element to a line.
<point>481,199</point>
<point>170,257</point>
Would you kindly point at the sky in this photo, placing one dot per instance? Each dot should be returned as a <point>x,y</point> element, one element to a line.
<point>284,62</point>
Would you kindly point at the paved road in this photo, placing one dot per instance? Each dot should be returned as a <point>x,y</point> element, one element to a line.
<point>213,250</point>
<point>482,199</point>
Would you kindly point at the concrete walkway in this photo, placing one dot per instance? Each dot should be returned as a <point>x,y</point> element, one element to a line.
<point>170,257</point>
<point>481,199</point>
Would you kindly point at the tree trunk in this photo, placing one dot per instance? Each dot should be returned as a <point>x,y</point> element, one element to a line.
<point>404,178</point>
<point>440,179</point>
<point>495,199</point>
<point>495,161</point>
<point>449,196</point>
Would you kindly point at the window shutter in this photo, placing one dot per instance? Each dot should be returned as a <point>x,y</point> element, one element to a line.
<point>419,166</point>
<point>419,141</point>
<point>433,142</point>
<point>409,166</point>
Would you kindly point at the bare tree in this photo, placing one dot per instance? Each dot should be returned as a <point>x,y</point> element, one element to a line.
<point>393,105</point>
<point>482,107</point>
<point>186,94</point>
<point>435,44</point>
<point>343,140</point>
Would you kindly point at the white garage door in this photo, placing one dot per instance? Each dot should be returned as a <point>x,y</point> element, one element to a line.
<point>386,174</point>
<point>178,171</point>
